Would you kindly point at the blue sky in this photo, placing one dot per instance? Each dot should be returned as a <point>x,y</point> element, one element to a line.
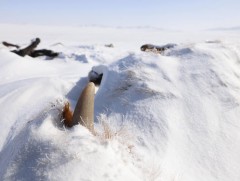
<point>167,14</point>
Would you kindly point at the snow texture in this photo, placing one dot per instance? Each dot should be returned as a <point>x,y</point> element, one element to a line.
<point>170,117</point>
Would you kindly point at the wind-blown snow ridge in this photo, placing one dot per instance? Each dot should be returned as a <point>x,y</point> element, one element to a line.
<point>184,107</point>
<point>181,111</point>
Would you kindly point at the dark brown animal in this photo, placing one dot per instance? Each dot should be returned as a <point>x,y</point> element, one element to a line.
<point>10,45</point>
<point>155,48</point>
<point>109,45</point>
<point>43,52</point>
<point>30,50</point>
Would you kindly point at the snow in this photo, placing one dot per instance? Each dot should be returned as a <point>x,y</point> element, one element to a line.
<point>170,117</point>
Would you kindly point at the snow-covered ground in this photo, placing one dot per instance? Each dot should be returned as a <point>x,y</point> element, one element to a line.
<point>171,117</point>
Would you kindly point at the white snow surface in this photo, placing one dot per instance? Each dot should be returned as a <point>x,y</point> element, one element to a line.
<point>172,117</point>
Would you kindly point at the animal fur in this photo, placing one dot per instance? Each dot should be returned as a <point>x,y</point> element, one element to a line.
<point>30,50</point>
<point>155,48</point>
<point>67,115</point>
<point>10,45</point>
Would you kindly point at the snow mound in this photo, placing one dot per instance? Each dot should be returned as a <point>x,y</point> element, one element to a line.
<point>179,112</point>
<point>183,109</point>
<point>50,153</point>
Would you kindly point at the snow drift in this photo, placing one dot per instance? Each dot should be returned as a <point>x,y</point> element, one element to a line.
<point>171,117</point>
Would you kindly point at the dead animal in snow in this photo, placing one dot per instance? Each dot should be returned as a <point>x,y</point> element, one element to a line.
<point>30,50</point>
<point>155,48</point>
<point>10,45</point>
<point>109,45</point>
